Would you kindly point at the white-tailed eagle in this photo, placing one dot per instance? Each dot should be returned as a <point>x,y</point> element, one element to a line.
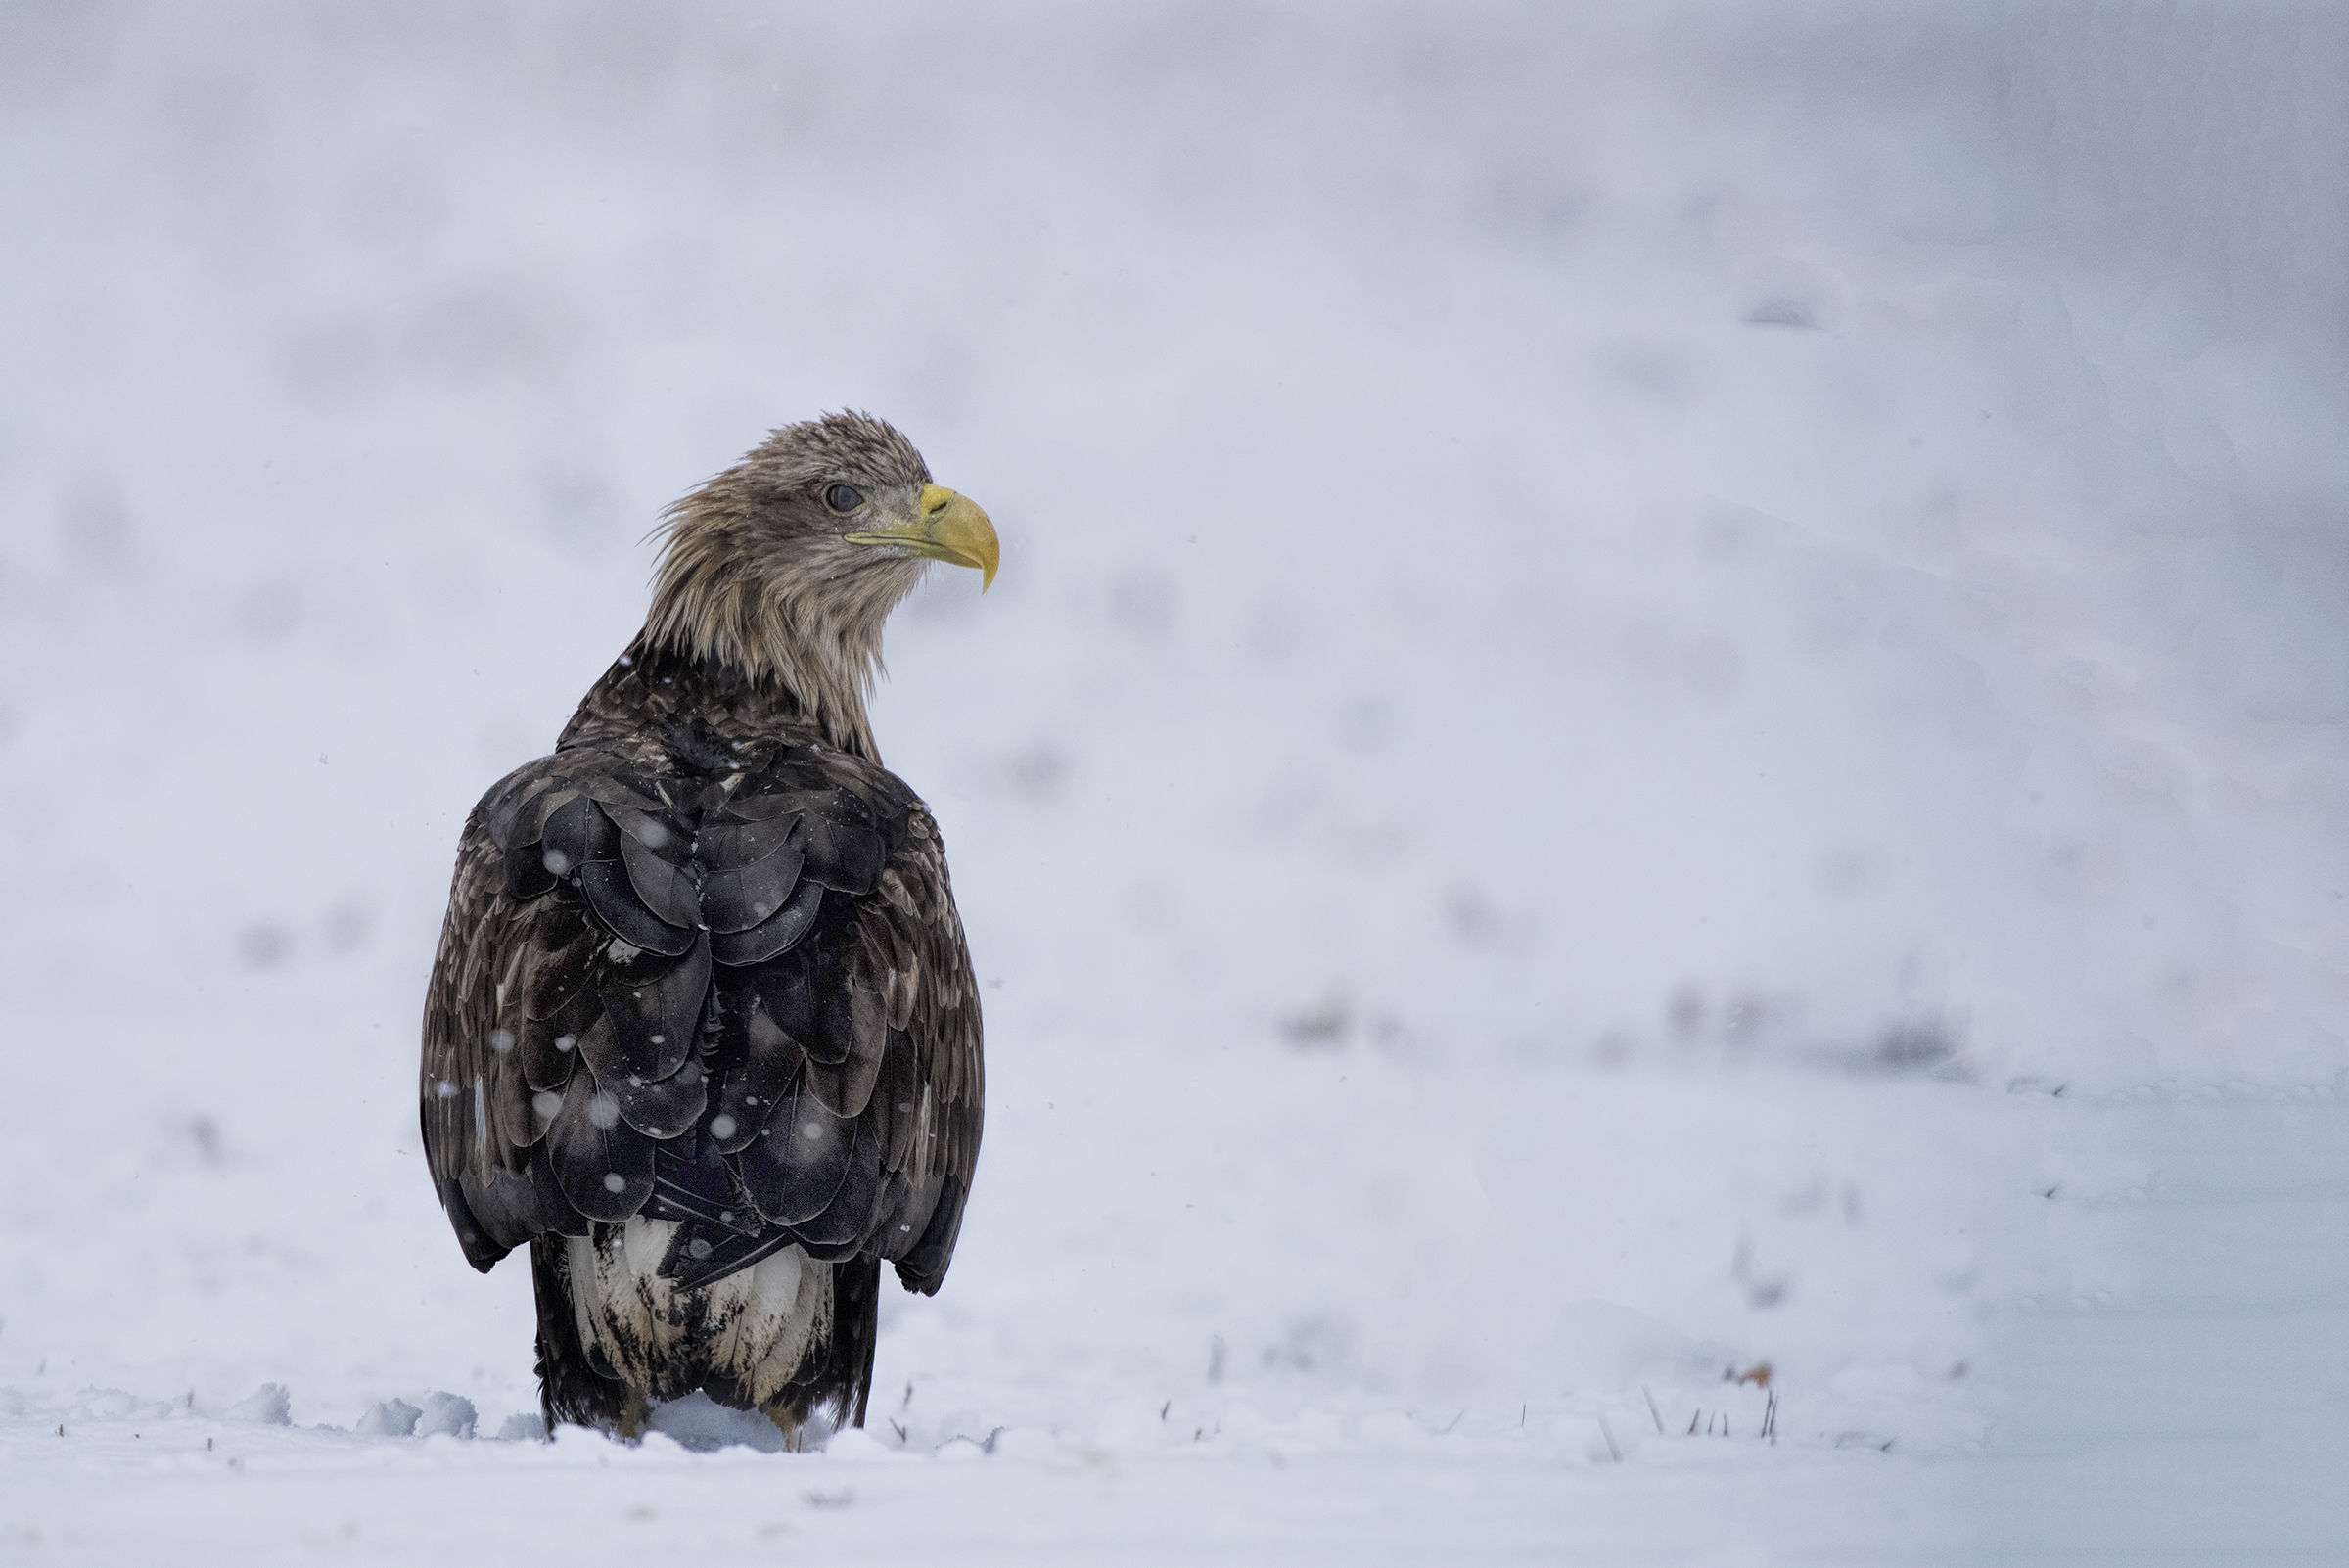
<point>701,1031</point>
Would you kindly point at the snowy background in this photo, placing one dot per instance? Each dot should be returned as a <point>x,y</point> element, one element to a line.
<point>1668,710</point>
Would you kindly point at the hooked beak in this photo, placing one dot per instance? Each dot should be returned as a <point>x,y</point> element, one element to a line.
<point>945,527</point>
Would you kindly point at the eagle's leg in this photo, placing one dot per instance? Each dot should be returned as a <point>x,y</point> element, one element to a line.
<point>570,1387</point>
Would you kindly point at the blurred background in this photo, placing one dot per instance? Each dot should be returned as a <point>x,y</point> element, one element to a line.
<point>1630,639</point>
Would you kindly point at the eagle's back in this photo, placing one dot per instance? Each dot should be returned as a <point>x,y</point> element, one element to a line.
<point>702,1030</point>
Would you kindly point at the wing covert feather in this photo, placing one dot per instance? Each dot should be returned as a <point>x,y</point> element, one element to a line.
<point>650,966</point>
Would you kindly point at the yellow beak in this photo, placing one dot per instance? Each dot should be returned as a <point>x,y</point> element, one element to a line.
<point>945,527</point>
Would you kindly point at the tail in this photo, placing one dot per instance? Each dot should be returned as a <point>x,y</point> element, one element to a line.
<point>836,1380</point>
<point>833,1382</point>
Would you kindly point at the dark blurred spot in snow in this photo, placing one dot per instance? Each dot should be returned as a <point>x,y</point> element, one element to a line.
<point>1685,1013</point>
<point>266,612</point>
<point>1325,1024</point>
<point>205,1133</point>
<point>348,925</point>
<point>1314,1344</point>
<point>1037,772</point>
<point>484,328</point>
<point>1847,872</point>
<point>1271,628</point>
<point>97,529</point>
<point>265,944</point>
<point>1779,312</point>
<point>1662,372</point>
<point>1533,202</point>
<point>1763,1289</point>
<point>1913,1045</point>
<point>1471,914</point>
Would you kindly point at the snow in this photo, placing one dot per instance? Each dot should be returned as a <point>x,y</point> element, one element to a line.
<point>1659,757</point>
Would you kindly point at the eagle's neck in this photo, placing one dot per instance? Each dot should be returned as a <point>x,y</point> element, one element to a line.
<point>815,653</point>
<point>652,688</point>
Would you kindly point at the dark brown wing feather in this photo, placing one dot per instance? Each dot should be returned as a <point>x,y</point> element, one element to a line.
<point>721,989</point>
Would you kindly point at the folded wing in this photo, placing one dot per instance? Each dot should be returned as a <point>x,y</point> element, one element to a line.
<point>735,996</point>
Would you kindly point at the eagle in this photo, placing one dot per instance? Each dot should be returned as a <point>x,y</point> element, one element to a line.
<point>701,1031</point>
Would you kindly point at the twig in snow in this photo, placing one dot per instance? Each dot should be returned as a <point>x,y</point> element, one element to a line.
<point>1612,1451</point>
<point>1454,1421</point>
<point>1653,1413</point>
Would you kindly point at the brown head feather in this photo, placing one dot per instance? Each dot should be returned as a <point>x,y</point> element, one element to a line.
<point>755,575</point>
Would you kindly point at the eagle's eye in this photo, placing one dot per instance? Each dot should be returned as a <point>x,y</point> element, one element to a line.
<point>844,497</point>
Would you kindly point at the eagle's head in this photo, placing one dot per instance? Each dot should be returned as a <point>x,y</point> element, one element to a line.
<point>784,567</point>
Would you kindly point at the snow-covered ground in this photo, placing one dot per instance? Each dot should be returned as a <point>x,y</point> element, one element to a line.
<point>1651,805</point>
